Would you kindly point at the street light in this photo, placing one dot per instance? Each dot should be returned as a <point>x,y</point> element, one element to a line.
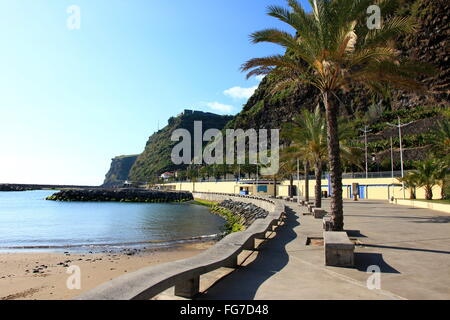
<point>400,126</point>
<point>366,131</point>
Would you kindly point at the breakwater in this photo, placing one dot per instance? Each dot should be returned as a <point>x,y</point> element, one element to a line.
<point>246,213</point>
<point>120,195</point>
<point>14,187</point>
<point>30,187</point>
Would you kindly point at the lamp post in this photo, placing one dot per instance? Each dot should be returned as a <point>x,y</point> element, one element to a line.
<point>257,180</point>
<point>392,159</point>
<point>400,126</point>
<point>366,131</point>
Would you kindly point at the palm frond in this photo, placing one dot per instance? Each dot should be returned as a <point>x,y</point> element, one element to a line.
<point>390,29</point>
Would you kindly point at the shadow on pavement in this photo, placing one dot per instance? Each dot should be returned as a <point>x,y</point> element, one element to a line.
<point>355,234</point>
<point>243,283</point>
<point>365,260</point>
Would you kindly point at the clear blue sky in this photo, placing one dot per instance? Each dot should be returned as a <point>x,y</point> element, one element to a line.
<point>71,100</point>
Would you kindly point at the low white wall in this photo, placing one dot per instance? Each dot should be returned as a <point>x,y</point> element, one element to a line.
<point>423,204</point>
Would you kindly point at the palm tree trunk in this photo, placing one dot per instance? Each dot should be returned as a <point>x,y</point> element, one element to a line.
<point>429,192</point>
<point>334,158</point>
<point>275,187</point>
<point>318,187</point>
<point>306,181</point>
<point>291,186</point>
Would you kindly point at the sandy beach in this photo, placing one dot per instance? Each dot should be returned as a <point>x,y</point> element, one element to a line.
<point>42,276</point>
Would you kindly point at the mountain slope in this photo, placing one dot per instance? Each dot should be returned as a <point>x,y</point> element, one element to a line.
<point>156,157</point>
<point>119,170</point>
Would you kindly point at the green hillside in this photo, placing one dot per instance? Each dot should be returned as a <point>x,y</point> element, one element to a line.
<point>156,157</point>
<point>266,109</point>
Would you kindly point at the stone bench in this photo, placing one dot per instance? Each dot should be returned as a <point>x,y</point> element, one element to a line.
<point>326,223</point>
<point>339,250</point>
<point>185,274</point>
<point>319,213</point>
<point>310,208</point>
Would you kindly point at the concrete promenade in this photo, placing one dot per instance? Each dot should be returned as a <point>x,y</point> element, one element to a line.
<point>410,245</point>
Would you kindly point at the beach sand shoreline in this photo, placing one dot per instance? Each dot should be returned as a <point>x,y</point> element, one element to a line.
<point>43,275</point>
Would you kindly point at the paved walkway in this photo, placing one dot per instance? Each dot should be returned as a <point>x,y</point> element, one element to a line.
<point>410,245</point>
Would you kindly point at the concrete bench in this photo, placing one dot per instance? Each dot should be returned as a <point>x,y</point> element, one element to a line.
<point>326,223</point>
<point>339,250</point>
<point>185,274</point>
<point>319,213</point>
<point>310,208</point>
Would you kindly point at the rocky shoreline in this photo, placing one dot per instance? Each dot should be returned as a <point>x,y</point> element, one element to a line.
<point>247,213</point>
<point>13,187</point>
<point>120,195</point>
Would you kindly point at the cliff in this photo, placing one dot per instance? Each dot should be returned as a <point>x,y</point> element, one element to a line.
<point>156,157</point>
<point>119,170</point>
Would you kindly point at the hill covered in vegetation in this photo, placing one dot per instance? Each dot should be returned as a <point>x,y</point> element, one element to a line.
<point>429,44</point>
<point>266,109</point>
<point>156,157</point>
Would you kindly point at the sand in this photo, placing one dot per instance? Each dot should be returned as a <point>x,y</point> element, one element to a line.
<point>42,276</point>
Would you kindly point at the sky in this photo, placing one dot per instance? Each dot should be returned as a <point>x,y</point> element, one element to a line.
<point>73,98</point>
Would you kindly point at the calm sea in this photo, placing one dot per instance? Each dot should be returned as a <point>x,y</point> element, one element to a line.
<point>28,222</point>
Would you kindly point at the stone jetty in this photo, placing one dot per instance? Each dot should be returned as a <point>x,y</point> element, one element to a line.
<point>120,195</point>
<point>14,187</point>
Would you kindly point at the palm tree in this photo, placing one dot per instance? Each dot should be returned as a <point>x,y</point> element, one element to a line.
<point>295,151</point>
<point>442,146</point>
<point>410,182</point>
<point>311,139</point>
<point>427,175</point>
<point>331,49</point>
<point>308,132</point>
<point>442,176</point>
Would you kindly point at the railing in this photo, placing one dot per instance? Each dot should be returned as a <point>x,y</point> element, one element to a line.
<point>185,275</point>
<point>352,175</point>
<point>371,175</point>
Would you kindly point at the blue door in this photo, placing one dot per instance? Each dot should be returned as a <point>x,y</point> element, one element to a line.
<point>362,192</point>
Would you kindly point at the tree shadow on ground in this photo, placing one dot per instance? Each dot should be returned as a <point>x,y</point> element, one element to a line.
<point>243,283</point>
<point>364,260</point>
<point>439,219</point>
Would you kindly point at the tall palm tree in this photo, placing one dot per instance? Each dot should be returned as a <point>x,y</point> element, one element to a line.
<point>288,167</point>
<point>333,48</point>
<point>295,151</point>
<point>309,132</point>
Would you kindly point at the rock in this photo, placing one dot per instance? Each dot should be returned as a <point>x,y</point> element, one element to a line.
<point>247,211</point>
<point>120,195</point>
